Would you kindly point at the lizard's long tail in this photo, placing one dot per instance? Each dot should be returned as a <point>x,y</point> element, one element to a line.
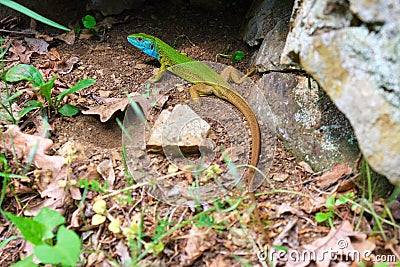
<point>241,104</point>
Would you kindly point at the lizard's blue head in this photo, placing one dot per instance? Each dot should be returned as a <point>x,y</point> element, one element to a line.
<point>144,42</point>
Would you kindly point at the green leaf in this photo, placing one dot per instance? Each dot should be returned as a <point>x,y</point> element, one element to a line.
<point>155,249</point>
<point>89,22</point>
<point>46,89</point>
<point>26,262</point>
<point>78,86</point>
<point>13,96</point>
<point>32,231</point>
<point>51,219</point>
<point>321,216</point>
<point>32,14</point>
<point>237,56</point>
<point>330,202</point>
<point>68,110</point>
<point>7,117</point>
<point>25,72</point>
<point>341,200</point>
<point>66,252</point>
<point>32,104</point>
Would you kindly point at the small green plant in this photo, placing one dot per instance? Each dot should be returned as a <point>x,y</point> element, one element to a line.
<point>93,185</point>
<point>30,73</point>
<point>40,231</point>
<point>32,14</point>
<point>234,57</point>
<point>208,221</point>
<point>330,204</point>
<point>89,23</point>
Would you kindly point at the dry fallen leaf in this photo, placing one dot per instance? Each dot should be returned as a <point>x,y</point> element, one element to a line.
<point>313,204</point>
<point>219,262</point>
<point>280,176</point>
<point>68,37</point>
<point>53,54</point>
<point>122,251</point>
<point>105,169</point>
<point>306,166</point>
<point>113,105</point>
<point>331,177</point>
<point>20,52</point>
<point>199,240</point>
<point>54,166</point>
<point>286,208</point>
<point>37,45</point>
<point>76,218</point>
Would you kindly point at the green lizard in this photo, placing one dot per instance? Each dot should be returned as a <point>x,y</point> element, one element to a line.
<point>206,82</point>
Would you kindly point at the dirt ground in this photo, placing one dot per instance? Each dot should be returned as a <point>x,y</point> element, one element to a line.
<point>233,239</point>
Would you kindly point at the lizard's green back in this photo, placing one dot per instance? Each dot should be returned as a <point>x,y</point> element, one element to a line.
<point>187,68</point>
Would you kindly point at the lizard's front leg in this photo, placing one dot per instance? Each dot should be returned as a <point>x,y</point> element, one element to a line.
<point>159,74</point>
<point>232,74</point>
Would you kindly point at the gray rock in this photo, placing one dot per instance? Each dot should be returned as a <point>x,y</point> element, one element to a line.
<point>358,65</point>
<point>307,121</point>
<point>262,17</point>
<point>269,55</point>
<point>181,127</point>
<point>376,11</point>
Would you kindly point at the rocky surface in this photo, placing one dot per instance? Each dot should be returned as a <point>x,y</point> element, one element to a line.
<point>307,121</point>
<point>352,50</point>
<point>305,118</point>
<point>262,17</point>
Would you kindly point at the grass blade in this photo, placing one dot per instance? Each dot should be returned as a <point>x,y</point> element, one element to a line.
<point>32,14</point>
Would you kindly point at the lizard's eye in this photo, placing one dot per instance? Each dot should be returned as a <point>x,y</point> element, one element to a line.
<point>152,46</point>
<point>140,39</point>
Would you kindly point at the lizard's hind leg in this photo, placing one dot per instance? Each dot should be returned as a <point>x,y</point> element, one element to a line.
<point>197,90</point>
<point>232,74</point>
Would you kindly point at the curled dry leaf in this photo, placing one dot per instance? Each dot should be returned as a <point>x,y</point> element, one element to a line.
<point>68,37</point>
<point>314,203</point>
<point>54,166</point>
<point>113,105</point>
<point>20,52</point>
<point>332,176</point>
<point>24,143</point>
